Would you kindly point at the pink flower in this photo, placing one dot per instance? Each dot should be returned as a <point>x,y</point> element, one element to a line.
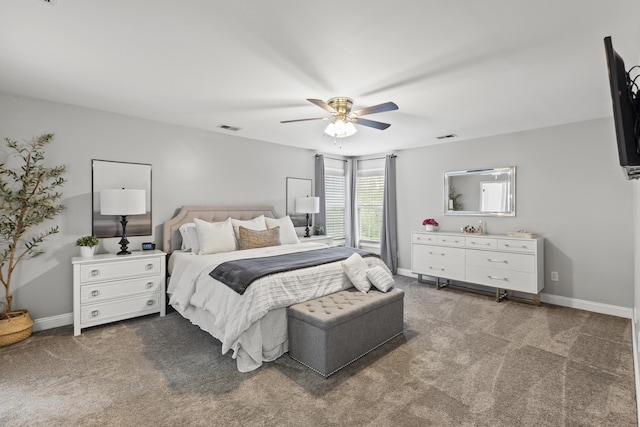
<point>430,221</point>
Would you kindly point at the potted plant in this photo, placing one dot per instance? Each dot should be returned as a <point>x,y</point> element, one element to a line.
<point>318,229</point>
<point>87,245</point>
<point>430,224</point>
<point>28,198</point>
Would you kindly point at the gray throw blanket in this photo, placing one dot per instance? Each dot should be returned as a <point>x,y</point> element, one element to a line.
<point>239,274</point>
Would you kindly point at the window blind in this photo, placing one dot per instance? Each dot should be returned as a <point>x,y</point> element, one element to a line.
<point>335,199</point>
<point>369,199</point>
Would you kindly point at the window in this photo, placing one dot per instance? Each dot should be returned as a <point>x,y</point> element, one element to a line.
<point>335,199</point>
<point>369,199</point>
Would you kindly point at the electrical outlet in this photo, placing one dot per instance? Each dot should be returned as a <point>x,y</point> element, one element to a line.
<point>554,276</point>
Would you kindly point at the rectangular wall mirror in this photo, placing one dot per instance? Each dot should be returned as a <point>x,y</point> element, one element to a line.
<point>108,174</point>
<point>481,192</point>
<point>297,187</point>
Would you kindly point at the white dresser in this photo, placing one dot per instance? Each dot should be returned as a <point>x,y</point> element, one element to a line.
<point>108,287</point>
<point>497,261</point>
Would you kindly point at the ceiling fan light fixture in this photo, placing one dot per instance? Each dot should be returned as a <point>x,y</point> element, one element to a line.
<point>339,129</point>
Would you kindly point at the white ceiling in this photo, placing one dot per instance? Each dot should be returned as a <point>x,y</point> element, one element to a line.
<point>473,68</point>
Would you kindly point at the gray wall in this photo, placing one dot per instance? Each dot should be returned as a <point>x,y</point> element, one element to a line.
<point>189,167</point>
<point>570,189</point>
<point>569,186</point>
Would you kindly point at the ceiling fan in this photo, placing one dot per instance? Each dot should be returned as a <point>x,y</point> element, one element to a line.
<point>343,119</point>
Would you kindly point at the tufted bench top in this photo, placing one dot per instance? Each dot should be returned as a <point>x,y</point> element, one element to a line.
<point>334,309</point>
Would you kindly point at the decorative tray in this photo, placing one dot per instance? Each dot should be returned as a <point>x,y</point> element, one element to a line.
<point>522,234</point>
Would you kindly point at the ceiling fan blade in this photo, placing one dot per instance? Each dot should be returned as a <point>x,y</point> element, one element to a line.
<point>305,120</point>
<point>372,123</point>
<point>320,103</point>
<point>387,106</point>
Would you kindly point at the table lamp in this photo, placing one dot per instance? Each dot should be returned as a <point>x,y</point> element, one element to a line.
<point>123,203</point>
<point>307,205</point>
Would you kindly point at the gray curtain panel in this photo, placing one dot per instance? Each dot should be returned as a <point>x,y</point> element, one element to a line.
<point>321,217</point>
<point>352,237</point>
<point>388,239</point>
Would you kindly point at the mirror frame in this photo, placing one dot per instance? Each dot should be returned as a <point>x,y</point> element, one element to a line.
<point>511,170</point>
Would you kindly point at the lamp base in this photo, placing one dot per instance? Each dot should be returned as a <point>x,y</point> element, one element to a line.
<point>124,243</point>
<point>306,234</point>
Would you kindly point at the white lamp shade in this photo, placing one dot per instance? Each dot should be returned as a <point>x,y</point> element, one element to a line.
<point>122,202</point>
<point>308,204</point>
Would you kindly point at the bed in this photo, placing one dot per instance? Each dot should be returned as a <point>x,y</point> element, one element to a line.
<point>251,326</point>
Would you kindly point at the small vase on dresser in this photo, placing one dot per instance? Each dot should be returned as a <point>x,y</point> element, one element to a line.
<point>429,227</point>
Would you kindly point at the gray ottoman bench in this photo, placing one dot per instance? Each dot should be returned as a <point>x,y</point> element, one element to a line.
<point>330,332</point>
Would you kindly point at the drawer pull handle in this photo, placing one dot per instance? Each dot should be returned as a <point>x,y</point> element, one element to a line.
<point>94,273</point>
<point>498,278</point>
<point>151,302</point>
<point>503,261</point>
<point>482,244</point>
<point>95,313</point>
<point>436,253</point>
<point>431,268</point>
<point>149,285</point>
<point>95,293</point>
<point>516,246</point>
<point>149,267</point>
<point>448,241</point>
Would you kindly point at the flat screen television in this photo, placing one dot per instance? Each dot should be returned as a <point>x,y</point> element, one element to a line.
<point>626,112</point>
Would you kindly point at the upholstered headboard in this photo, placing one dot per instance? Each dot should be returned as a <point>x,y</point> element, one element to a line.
<point>171,237</point>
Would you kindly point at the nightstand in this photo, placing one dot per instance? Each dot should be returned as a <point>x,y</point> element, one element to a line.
<point>317,239</point>
<point>109,287</point>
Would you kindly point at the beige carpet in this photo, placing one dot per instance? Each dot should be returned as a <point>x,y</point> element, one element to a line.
<point>464,360</point>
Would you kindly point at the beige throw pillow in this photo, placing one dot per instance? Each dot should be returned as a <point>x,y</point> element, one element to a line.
<point>250,239</point>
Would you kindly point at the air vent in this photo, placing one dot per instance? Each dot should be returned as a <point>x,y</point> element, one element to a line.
<point>451,135</point>
<point>231,128</point>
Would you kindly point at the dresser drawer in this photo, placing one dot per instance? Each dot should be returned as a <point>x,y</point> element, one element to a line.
<point>440,261</point>
<point>502,279</point>
<point>90,273</point>
<point>422,238</point>
<point>123,288</point>
<point>502,260</point>
<point>517,245</point>
<point>123,308</point>
<point>451,240</point>
<point>445,271</point>
<point>439,254</point>
<point>481,242</point>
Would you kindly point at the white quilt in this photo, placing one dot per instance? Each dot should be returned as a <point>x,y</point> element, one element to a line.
<point>240,322</point>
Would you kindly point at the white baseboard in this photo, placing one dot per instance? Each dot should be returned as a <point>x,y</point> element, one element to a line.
<point>636,368</point>
<point>628,313</point>
<point>52,322</point>
<point>594,307</point>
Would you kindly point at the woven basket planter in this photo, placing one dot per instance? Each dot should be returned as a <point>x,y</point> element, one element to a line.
<point>16,328</point>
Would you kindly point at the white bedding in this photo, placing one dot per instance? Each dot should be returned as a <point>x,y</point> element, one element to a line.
<point>253,325</point>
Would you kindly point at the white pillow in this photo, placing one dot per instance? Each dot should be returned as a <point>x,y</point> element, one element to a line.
<point>287,230</point>
<point>215,237</point>
<point>256,224</point>
<point>189,238</point>
<point>355,267</point>
<point>381,278</point>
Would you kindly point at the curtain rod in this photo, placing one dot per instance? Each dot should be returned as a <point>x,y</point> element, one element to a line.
<point>344,160</point>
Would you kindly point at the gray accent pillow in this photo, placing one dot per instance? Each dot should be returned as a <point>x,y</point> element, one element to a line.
<point>250,239</point>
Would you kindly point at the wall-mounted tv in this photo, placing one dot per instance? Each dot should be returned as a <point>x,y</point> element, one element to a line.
<point>626,111</point>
